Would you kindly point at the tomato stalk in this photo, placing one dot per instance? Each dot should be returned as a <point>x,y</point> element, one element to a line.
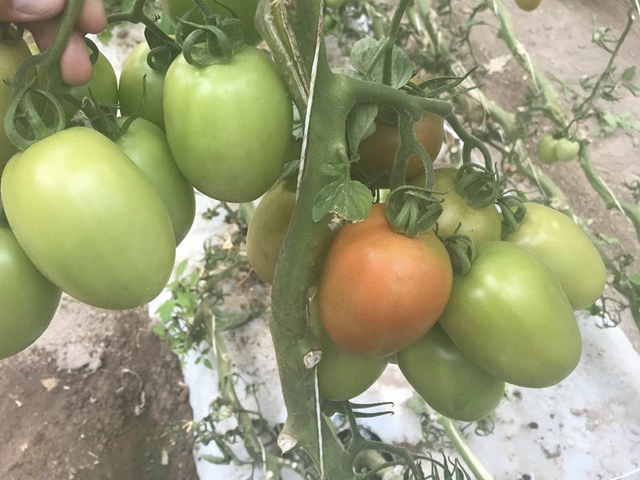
<point>22,86</point>
<point>136,15</point>
<point>468,455</point>
<point>294,34</point>
<point>386,49</point>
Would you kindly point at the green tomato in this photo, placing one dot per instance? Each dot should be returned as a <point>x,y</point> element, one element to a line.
<point>103,86</point>
<point>245,9</point>
<point>335,3</point>
<point>11,57</point>
<point>229,125</point>
<point>482,225</point>
<point>342,376</point>
<point>510,316</point>
<point>146,144</point>
<point>528,5</point>
<point>28,300</point>
<point>448,381</point>
<point>268,228</point>
<point>89,220</point>
<point>567,150</point>
<point>130,90</point>
<point>556,240</point>
<point>547,149</point>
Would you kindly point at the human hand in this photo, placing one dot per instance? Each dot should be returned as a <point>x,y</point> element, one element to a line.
<point>41,18</point>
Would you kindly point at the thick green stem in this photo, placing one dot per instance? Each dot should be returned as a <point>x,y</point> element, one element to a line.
<point>508,36</point>
<point>299,55</point>
<point>51,62</point>
<point>460,444</point>
<point>301,254</point>
<point>629,210</point>
<point>386,49</point>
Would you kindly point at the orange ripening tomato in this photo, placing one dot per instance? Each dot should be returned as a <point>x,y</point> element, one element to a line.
<point>378,152</point>
<point>380,290</point>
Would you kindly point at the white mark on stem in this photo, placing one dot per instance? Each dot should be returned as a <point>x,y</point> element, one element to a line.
<point>286,442</point>
<point>312,358</point>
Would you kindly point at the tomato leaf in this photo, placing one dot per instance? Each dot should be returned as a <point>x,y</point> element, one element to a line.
<point>335,169</point>
<point>347,72</point>
<point>628,74</point>
<point>361,124</point>
<point>160,331</point>
<point>166,310</point>
<point>363,53</point>
<point>182,267</point>
<point>346,198</point>
<point>635,279</point>
<point>291,170</point>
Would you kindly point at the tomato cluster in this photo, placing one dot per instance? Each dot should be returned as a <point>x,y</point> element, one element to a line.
<point>552,150</point>
<point>382,293</point>
<point>99,217</point>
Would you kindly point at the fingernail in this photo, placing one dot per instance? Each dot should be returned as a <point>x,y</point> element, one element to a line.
<point>31,7</point>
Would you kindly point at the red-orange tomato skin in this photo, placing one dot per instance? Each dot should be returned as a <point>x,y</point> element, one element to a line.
<point>380,290</point>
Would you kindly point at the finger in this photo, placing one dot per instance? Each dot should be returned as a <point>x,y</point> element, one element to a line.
<point>20,11</point>
<point>93,18</point>
<point>75,63</point>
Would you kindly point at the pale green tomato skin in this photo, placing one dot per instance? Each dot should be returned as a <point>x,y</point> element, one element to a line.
<point>103,86</point>
<point>89,220</point>
<point>562,245</point>
<point>229,125</point>
<point>342,376</point>
<point>146,145</point>
<point>268,228</point>
<point>547,149</point>
<point>510,316</point>
<point>28,299</point>
<point>482,225</point>
<point>11,57</point>
<point>130,90</point>
<point>448,381</point>
<point>567,150</point>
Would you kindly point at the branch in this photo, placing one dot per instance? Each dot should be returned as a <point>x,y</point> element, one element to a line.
<point>469,457</point>
<point>508,36</point>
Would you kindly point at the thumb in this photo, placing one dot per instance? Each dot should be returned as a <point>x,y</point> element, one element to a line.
<point>18,11</point>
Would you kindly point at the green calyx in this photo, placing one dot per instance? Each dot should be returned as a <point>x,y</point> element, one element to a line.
<point>512,207</point>
<point>462,252</point>
<point>23,111</point>
<point>412,210</point>
<point>210,44</point>
<point>477,185</point>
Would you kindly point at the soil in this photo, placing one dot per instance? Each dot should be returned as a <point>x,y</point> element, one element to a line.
<point>98,397</point>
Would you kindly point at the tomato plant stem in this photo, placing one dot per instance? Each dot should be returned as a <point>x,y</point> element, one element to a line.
<point>460,444</point>
<point>136,15</point>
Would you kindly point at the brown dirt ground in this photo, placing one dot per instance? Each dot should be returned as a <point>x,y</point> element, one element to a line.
<point>96,398</point>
